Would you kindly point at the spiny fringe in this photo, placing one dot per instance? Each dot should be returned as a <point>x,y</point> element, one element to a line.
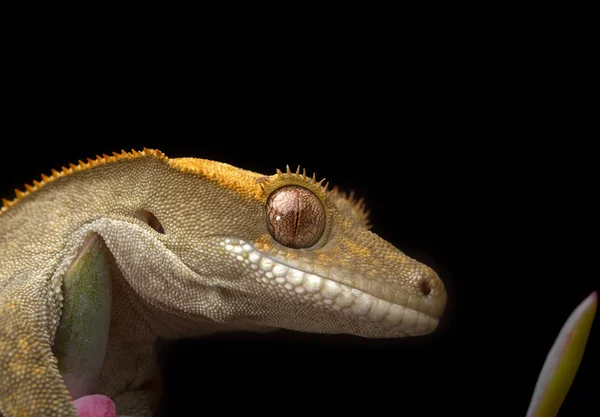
<point>100,160</point>
<point>358,205</point>
<point>297,174</point>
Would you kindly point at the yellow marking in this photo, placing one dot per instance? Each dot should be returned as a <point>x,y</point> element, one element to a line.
<point>323,257</point>
<point>293,255</point>
<point>23,345</point>
<point>355,250</point>
<point>16,366</point>
<point>239,180</point>
<point>263,243</point>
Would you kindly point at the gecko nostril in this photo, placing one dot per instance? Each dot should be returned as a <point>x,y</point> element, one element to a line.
<point>424,287</point>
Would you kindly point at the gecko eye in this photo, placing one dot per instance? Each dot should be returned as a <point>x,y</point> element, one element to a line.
<point>295,217</point>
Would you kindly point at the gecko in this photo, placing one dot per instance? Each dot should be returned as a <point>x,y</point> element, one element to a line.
<point>101,258</point>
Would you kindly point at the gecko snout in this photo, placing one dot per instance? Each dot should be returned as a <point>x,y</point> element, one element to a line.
<point>431,288</point>
<point>424,286</point>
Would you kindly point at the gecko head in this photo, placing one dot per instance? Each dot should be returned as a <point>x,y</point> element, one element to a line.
<point>300,257</point>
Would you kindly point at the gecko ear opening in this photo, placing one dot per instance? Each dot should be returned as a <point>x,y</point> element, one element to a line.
<point>152,221</point>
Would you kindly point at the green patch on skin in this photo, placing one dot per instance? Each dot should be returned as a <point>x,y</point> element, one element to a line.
<point>563,361</point>
<point>82,335</point>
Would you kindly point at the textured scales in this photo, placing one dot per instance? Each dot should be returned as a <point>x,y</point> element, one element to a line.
<point>190,254</point>
<point>100,160</point>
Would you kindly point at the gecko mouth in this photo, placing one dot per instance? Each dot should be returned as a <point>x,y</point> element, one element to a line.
<point>295,284</point>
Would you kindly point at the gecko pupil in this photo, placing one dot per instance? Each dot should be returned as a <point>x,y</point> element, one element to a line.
<point>295,217</point>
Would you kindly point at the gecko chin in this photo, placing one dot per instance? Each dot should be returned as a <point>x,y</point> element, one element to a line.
<point>367,313</point>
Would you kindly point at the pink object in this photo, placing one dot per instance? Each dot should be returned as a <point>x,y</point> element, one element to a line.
<point>95,406</point>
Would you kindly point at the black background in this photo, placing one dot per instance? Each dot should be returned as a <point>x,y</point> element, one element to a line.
<point>480,168</point>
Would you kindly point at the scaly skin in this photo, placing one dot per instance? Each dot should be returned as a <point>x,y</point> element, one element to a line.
<point>190,251</point>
